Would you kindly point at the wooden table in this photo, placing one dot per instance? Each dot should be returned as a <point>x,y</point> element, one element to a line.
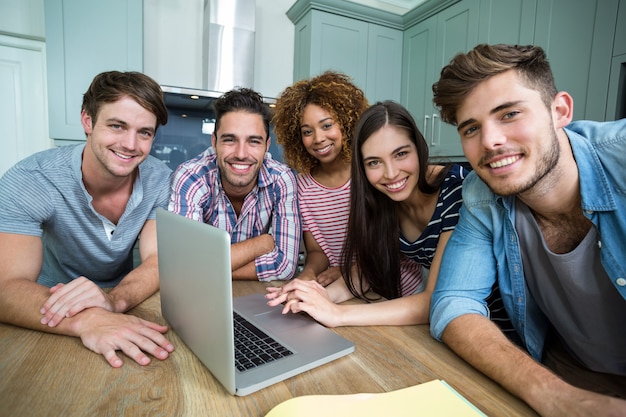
<point>48,375</point>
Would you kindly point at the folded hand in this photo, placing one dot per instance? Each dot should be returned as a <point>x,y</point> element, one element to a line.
<point>67,300</point>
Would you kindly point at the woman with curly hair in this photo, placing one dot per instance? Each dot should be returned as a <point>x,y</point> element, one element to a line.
<point>314,122</point>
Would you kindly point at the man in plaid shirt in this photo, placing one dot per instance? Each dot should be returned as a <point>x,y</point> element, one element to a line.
<point>235,185</point>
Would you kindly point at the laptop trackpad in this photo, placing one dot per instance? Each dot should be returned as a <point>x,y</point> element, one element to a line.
<point>255,307</point>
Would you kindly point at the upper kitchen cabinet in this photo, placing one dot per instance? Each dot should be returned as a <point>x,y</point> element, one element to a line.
<point>83,39</point>
<point>509,21</point>
<point>428,46</point>
<point>616,99</point>
<point>578,37</point>
<point>349,42</point>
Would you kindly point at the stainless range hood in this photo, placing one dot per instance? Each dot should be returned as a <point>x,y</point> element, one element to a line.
<point>228,44</point>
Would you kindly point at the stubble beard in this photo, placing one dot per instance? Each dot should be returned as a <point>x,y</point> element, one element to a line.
<point>545,174</point>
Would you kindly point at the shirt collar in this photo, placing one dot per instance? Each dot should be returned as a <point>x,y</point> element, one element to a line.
<point>594,185</point>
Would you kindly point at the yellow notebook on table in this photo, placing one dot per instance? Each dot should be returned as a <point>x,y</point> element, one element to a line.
<point>434,398</point>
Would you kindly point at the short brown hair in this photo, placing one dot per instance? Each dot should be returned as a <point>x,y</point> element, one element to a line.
<point>110,86</point>
<point>466,71</point>
<point>332,91</point>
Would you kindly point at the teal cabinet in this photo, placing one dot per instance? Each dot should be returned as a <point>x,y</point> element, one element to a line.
<point>384,63</point>
<point>619,46</point>
<point>428,46</point>
<point>327,41</point>
<point>84,38</point>
<point>369,53</point>
<point>581,39</point>
<point>507,21</point>
<point>616,97</point>
<point>578,38</point>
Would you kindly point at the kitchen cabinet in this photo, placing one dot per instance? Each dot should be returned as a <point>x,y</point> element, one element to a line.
<point>369,53</point>
<point>578,36</point>
<point>619,46</point>
<point>508,21</point>
<point>428,46</point>
<point>83,39</point>
<point>616,97</point>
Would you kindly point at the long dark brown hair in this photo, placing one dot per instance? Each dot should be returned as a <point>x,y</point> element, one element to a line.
<point>373,240</point>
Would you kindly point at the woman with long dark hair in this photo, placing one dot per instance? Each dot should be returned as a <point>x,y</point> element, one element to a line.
<point>402,212</point>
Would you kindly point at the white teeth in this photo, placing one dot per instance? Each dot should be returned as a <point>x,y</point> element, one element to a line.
<point>396,185</point>
<point>237,166</point>
<point>504,162</point>
<point>123,156</point>
<point>324,149</point>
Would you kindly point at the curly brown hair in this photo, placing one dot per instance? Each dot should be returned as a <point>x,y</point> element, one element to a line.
<point>332,91</point>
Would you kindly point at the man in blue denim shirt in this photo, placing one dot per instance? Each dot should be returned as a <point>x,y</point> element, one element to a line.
<point>545,215</point>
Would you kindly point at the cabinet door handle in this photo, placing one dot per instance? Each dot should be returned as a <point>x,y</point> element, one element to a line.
<point>425,132</point>
<point>432,132</point>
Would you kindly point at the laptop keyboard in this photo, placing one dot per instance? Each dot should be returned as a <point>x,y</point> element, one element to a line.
<point>253,347</point>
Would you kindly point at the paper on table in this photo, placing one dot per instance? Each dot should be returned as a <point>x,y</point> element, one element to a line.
<point>434,398</point>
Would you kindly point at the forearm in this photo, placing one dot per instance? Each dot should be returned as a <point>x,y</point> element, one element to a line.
<point>477,340</point>
<point>246,272</point>
<point>338,292</point>
<point>402,311</point>
<point>316,262</point>
<point>139,284</point>
<point>245,252</point>
<point>20,304</point>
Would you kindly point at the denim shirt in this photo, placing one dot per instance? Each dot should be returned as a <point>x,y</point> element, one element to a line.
<point>484,245</point>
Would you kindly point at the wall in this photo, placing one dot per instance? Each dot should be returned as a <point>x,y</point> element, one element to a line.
<point>273,59</point>
<point>22,18</point>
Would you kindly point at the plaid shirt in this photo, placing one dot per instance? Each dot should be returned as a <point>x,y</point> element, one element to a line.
<point>271,207</point>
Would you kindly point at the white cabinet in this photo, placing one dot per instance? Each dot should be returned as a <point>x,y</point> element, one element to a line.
<point>23,99</point>
<point>428,46</point>
<point>83,39</point>
<point>369,53</point>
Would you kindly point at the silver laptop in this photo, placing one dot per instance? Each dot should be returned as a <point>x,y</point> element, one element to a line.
<point>197,302</point>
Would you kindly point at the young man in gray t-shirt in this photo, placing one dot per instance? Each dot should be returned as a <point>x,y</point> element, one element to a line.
<point>70,216</point>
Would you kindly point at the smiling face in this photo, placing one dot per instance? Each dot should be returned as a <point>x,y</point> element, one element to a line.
<point>391,164</point>
<point>119,139</point>
<point>321,135</point>
<point>508,135</point>
<point>240,145</point>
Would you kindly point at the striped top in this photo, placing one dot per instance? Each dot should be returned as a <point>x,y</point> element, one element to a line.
<point>444,219</point>
<point>271,207</point>
<point>325,212</point>
<point>43,195</point>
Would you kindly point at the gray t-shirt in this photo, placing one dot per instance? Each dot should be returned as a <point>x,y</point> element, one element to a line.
<point>43,195</point>
<point>575,294</point>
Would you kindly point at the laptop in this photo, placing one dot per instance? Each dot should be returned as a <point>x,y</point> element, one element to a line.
<point>197,302</point>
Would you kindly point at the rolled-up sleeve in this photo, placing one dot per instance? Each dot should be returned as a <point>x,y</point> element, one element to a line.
<point>286,228</point>
<point>466,276</point>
